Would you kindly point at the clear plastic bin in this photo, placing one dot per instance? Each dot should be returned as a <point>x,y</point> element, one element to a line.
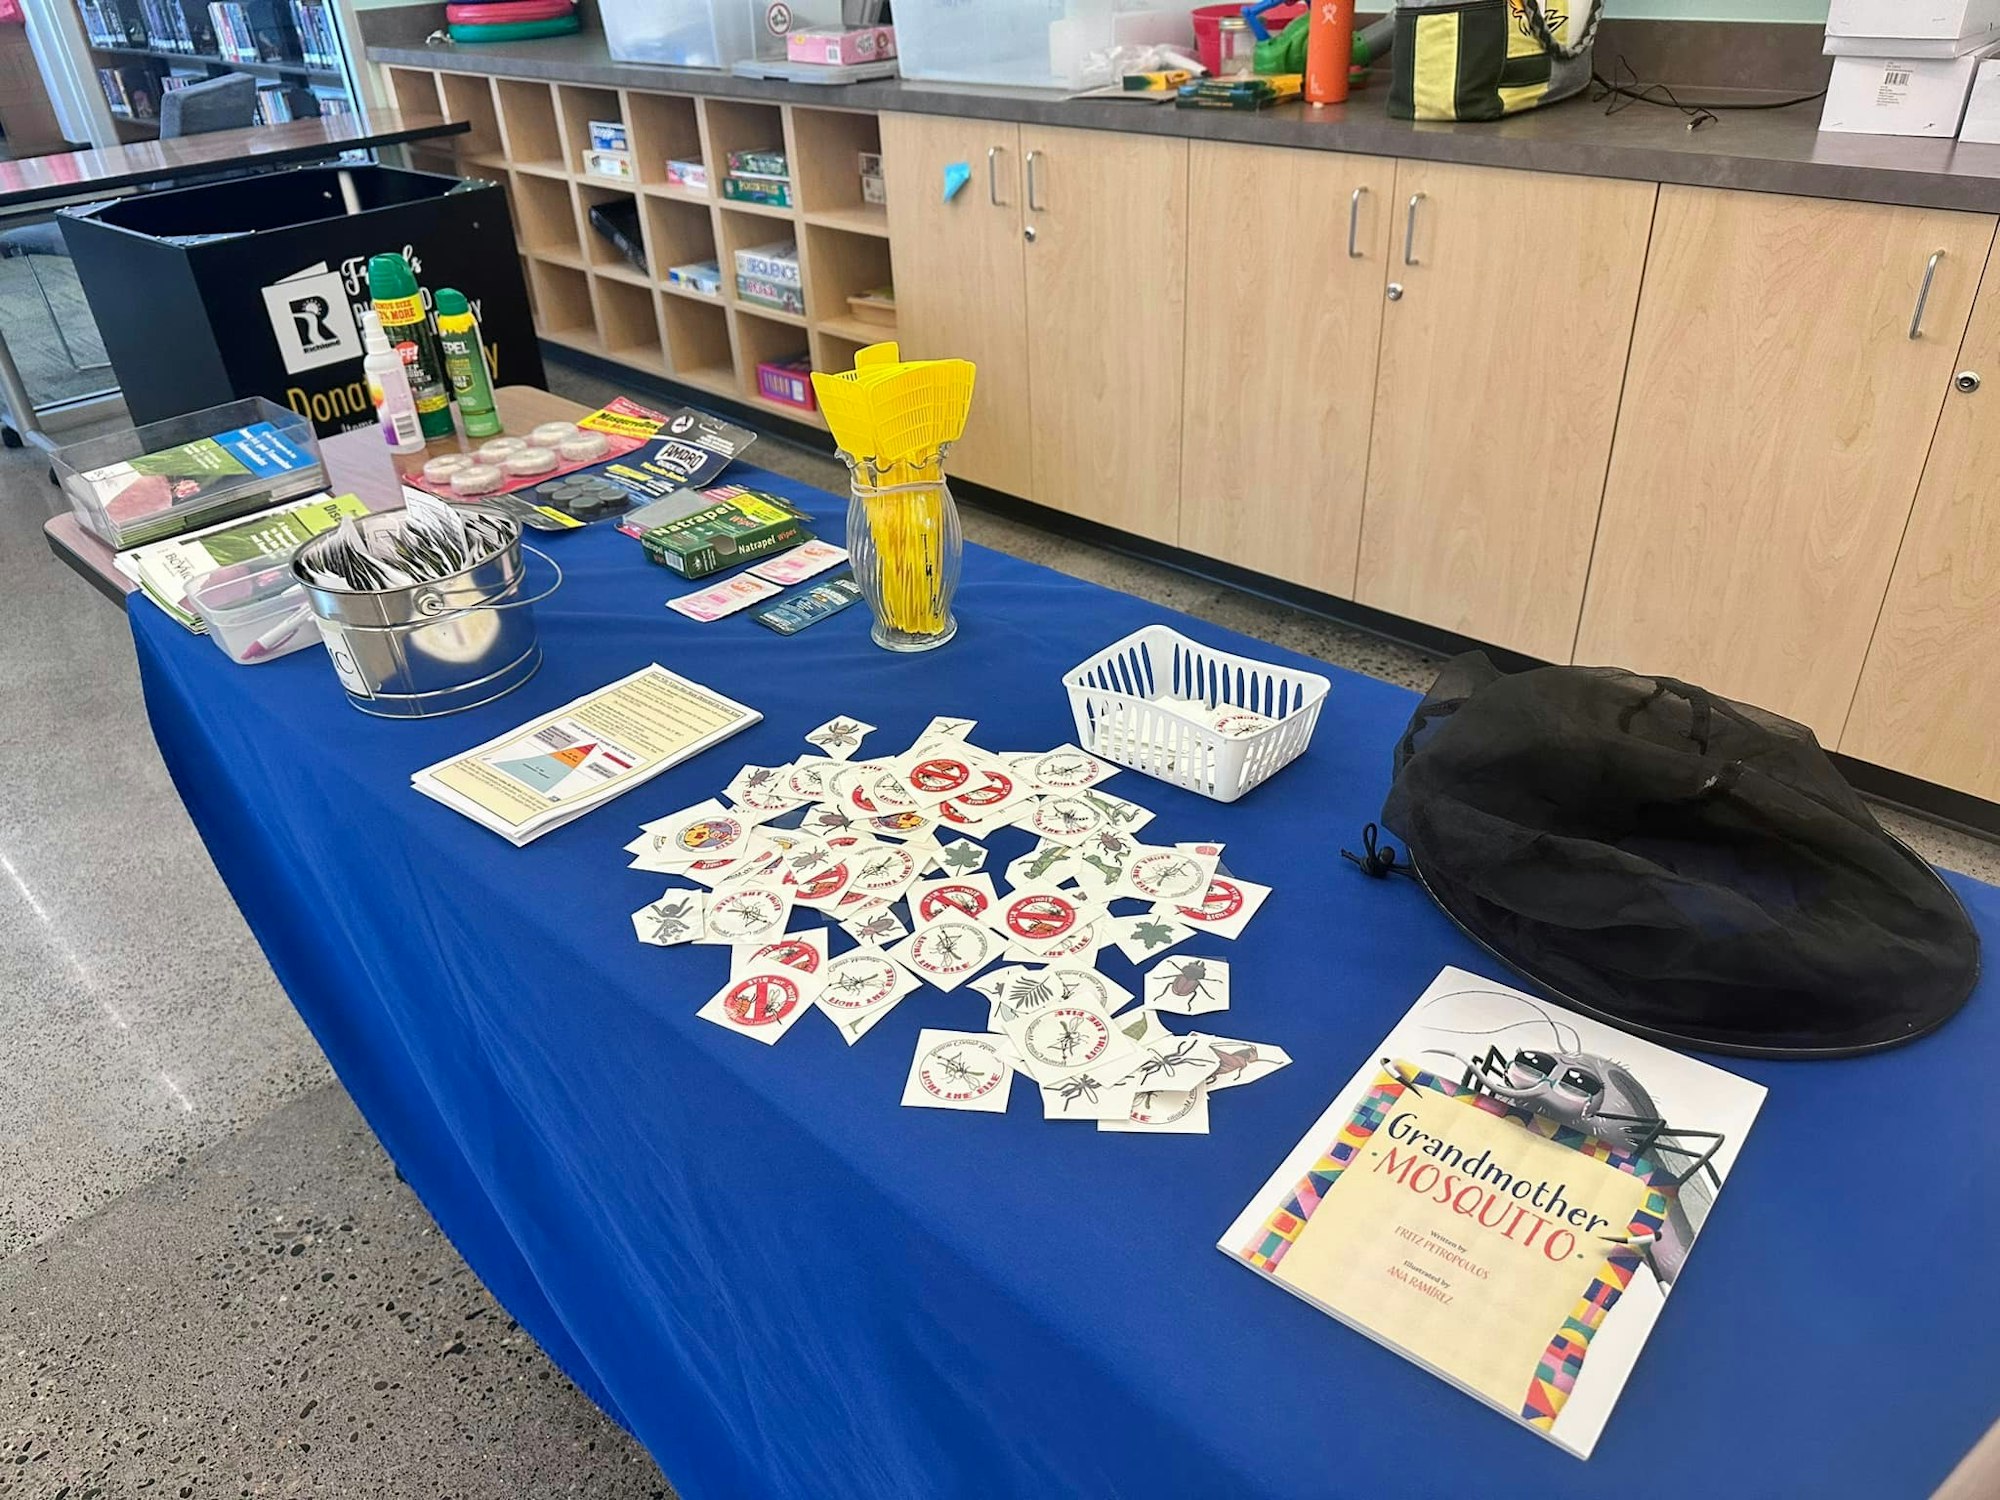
<point>1025,43</point>
<point>130,487</point>
<point>705,33</point>
<point>256,610</point>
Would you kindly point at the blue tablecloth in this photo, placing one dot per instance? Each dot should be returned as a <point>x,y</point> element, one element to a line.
<point>787,1285</point>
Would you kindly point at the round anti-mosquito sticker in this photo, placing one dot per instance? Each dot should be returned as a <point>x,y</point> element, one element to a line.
<point>969,899</point>
<point>961,1069</point>
<point>951,948</point>
<point>760,999</point>
<point>858,981</point>
<point>793,953</point>
<point>744,915</point>
<point>882,872</point>
<point>1040,916</point>
<point>1164,875</point>
<point>1222,900</point>
<point>1065,1036</point>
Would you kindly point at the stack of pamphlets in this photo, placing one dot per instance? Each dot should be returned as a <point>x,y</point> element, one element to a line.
<point>140,500</point>
<point>558,767</point>
<point>165,569</point>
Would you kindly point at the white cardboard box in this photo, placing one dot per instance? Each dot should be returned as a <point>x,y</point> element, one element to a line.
<point>1945,19</point>
<point>1900,96</point>
<point>1982,115</point>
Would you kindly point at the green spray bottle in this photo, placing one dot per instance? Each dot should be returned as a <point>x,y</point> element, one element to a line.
<point>392,286</point>
<point>465,364</point>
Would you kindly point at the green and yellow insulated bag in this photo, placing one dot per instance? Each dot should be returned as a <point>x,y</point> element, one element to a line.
<point>1485,59</point>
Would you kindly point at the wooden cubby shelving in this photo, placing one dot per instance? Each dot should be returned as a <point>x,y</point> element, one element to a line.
<point>532,135</point>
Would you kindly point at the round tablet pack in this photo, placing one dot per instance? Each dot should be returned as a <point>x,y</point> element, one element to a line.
<point>584,496</point>
<point>550,433</point>
<point>493,450</point>
<point>441,468</point>
<point>583,448</point>
<point>476,479</point>
<point>529,461</point>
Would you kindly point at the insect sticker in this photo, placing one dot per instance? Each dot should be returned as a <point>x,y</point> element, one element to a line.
<point>948,953</point>
<point>1188,986</point>
<point>1239,723</point>
<point>675,918</point>
<point>840,738</point>
<point>933,899</point>
<point>959,1070</point>
<point>1058,1041</point>
<point>938,777</point>
<point>1169,1111</point>
<point>1243,1062</point>
<point>1038,916</point>
<point>1166,875</point>
<point>882,871</point>
<point>1063,820</point>
<point>1068,769</point>
<point>1226,907</point>
<point>804,951</point>
<point>763,1003</point>
<point>859,988</point>
<point>761,789</point>
<point>747,916</point>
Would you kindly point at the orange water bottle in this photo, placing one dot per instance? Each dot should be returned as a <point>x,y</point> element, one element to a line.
<point>1329,51</point>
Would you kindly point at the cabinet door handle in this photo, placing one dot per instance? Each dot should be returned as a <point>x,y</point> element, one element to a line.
<point>1410,230</point>
<point>1924,296</point>
<point>1354,223</point>
<point>993,177</point>
<point>1034,203</point>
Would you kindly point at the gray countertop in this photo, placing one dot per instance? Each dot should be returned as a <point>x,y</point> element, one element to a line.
<point>1772,151</point>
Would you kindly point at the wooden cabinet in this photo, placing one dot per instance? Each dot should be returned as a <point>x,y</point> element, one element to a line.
<point>1106,239</point>
<point>961,289</point>
<point>1929,688</point>
<point>1286,256</point>
<point>1776,417</point>
<point>1503,347</point>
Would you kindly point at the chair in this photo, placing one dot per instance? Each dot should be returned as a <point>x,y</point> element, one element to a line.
<point>225,103</point>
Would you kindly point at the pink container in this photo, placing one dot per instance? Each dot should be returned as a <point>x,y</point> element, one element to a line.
<point>788,382</point>
<point>842,48</point>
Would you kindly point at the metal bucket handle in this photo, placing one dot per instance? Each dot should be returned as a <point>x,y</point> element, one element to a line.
<point>404,627</point>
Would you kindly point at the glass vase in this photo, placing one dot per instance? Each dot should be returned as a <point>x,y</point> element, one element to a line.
<point>906,550</point>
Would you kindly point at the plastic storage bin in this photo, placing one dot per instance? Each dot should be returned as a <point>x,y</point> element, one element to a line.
<point>125,500</point>
<point>1189,715</point>
<point>256,610</point>
<point>706,33</point>
<point>1024,43</point>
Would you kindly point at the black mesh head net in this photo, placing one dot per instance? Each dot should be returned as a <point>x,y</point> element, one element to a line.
<point>1690,868</point>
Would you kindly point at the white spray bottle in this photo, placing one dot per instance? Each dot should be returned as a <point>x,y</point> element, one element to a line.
<point>389,387</point>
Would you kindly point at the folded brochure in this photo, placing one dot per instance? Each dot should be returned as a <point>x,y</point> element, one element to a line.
<point>163,570</point>
<point>561,765</point>
<point>1504,1194</point>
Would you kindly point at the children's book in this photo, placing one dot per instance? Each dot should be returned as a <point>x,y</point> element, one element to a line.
<point>1505,1193</point>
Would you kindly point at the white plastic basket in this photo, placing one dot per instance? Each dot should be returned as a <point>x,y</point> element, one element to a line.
<point>1150,701</point>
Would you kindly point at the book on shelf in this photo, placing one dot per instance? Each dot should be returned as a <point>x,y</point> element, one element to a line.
<point>254,31</point>
<point>319,43</point>
<point>132,90</point>
<point>1504,1194</point>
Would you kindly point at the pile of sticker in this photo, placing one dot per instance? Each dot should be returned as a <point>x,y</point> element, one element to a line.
<point>891,852</point>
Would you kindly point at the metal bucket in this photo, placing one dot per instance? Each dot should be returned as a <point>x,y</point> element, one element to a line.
<point>435,647</point>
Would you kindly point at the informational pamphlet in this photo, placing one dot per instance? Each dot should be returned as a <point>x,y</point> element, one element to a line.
<point>1504,1194</point>
<point>165,569</point>
<point>561,765</point>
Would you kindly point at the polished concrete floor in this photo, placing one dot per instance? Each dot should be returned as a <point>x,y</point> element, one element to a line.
<point>211,1283</point>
